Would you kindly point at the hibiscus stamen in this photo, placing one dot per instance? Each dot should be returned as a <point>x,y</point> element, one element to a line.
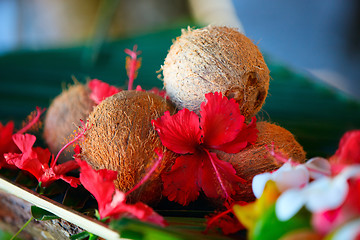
<point>215,218</point>
<point>132,65</point>
<point>146,177</point>
<point>227,196</point>
<point>33,120</point>
<point>77,137</point>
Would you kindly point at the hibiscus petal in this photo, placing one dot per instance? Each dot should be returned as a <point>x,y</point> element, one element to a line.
<point>247,135</point>
<point>101,90</point>
<point>181,132</point>
<point>32,165</point>
<point>348,151</point>
<point>73,181</point>
<point>141,211</point>
<point>6,131</point>
<point>66,167</point>
<point>7,145</point>
<point>181,182</point>
<point>24,142</point>
<point>30,159</point>
<point>115,206</point>
<point>150,215</point>
<point>221,119</point>
<point>42,154</point>
<point>99,183</point>
<point>218,178</point>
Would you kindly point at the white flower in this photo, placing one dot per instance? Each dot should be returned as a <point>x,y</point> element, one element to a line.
<point>348,231</point>
<point>289,176</point>
<point>322,194</point>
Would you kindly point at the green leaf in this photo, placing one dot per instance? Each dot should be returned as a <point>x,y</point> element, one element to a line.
<point>41,214</point>
<point>133,229</point>
<point>93,237</point>
<point>270,227</point>
<point>6,236</point>
<point>179,228</point>
<point>80,236</point>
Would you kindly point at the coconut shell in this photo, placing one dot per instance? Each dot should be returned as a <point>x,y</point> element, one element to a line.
<point>216,59</point>
<point>255,159</point>
<point>122,138</point>
<point>63,118</point>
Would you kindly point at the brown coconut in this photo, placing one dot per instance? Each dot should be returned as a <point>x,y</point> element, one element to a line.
<point>255,159</point>
<point>122,138</point>
<point>214,59</point>
<point>63,118</point>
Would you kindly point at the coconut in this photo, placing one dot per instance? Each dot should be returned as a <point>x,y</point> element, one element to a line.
<point>255,159</point>
<point>122,138</point>
<point>216,59</point>
<point>63,118</point>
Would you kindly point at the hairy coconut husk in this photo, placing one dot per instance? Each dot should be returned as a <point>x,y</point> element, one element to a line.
<point>255,159</point>
<point>63,117</point>
<point>122,138</point>
<point>216,59</point>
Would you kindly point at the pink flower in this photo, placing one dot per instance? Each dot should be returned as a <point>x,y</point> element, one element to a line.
<point>221,127</point>
<point>112,202</point>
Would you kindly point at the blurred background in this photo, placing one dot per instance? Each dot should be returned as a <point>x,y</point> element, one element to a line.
<point>312,48</point>
<point>320,37</point>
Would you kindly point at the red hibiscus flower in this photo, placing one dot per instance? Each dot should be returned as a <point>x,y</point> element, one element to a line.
<point>111,201</point>
<point>35,160</point>
<point>40,162</point>
<point>6,142</point>
<point>221,127</point>
<point>101,90</point>
<point>6,132</point>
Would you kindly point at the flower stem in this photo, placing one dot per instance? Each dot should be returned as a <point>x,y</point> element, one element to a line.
<point>22,228</point>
